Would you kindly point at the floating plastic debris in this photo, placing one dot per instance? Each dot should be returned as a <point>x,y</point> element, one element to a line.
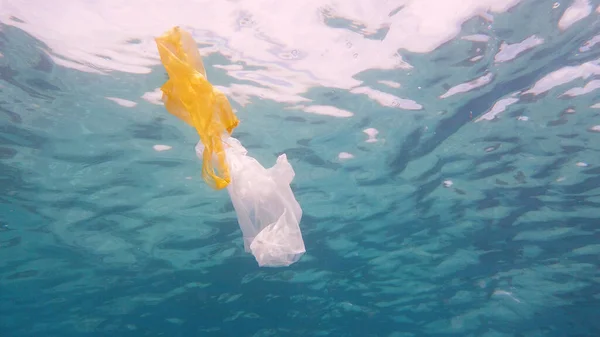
<point>267,211</point>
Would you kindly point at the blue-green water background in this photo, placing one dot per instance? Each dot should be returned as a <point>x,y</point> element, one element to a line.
<point>100,235</point>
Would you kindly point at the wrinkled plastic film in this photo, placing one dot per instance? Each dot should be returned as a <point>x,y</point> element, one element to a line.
<point>188,95</point>
<point>268,213</point>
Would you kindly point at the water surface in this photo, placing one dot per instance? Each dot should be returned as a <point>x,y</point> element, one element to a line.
<point>446,157</point>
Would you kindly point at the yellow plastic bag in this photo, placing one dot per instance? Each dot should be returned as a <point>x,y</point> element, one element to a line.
<point>188,95</point>
<point>267,211</point>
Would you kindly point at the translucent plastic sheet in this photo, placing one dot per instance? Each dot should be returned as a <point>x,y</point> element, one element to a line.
<point>266,208</point>
<point>267,211</point>
<point>188,95</point>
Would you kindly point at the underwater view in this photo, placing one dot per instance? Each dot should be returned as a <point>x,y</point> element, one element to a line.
<point>260,168</point>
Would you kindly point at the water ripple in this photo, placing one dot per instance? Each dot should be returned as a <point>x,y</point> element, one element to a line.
<point>445,156</point>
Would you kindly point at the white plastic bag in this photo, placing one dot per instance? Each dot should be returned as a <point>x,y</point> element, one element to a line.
<point>267,211</point>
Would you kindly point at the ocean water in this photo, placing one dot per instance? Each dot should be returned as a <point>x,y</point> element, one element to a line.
<point>446,156</point>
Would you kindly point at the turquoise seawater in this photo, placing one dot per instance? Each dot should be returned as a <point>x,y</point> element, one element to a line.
<point>447,159</point>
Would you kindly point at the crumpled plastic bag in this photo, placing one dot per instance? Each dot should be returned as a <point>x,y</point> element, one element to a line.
<point>267,211</point>
<point>189,95</point>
